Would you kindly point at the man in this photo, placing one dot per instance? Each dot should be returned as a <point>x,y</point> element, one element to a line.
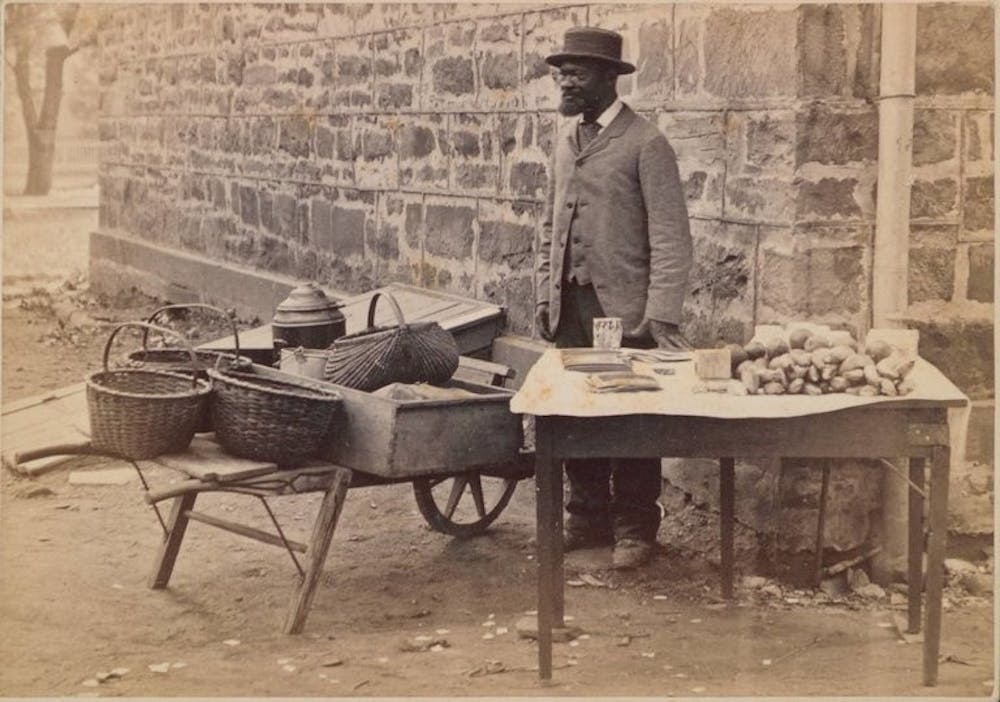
<point>615,242</point>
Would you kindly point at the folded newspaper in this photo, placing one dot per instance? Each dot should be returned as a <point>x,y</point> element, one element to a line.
<point>621,381</point>
<point>588,360</point>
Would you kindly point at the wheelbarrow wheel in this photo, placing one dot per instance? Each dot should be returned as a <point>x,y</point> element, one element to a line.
<point>463,505</point>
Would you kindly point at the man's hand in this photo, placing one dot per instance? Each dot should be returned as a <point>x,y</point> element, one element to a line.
<point>666,334</point>
<point>542,322</point>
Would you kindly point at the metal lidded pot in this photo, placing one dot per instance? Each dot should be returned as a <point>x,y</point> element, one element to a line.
<point>307,318</point>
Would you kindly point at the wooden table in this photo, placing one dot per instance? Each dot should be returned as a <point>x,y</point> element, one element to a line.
<point>677,422</point>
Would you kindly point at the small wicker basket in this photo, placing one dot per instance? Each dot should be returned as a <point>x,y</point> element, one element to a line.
<point>265,419</point>
<point>138,413</point>
<point>178,359</point>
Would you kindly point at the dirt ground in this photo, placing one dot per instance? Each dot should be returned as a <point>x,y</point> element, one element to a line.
<point>402,610</point>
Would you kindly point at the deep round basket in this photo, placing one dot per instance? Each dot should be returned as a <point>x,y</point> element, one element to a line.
<point>267,419</point>
<point>138,414</point>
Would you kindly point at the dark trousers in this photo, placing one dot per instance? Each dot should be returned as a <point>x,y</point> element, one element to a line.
<point>616,495</point>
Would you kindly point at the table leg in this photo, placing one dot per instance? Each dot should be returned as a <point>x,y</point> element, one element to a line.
<point>727,511</point>
<point>171,546</point>
<point>548,506</point>
<point>319,545</point>
<point>821,525</point>
<point>940,469</point>
<point>915,545</point>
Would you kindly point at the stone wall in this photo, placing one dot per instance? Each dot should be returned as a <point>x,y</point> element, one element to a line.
<point>360,144</point>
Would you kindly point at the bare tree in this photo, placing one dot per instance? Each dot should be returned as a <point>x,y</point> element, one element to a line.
<point>36,32</point>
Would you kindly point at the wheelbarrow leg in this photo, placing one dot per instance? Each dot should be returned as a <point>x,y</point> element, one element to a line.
<point>319,544</point>
<point>176,526</point>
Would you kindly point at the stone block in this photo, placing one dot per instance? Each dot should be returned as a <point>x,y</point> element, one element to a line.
<point>782,277</point>
<point>513,292</point>
<point>423,152</point>
<point>526,143</point>
<point>933,235</point>
<point>977,210</point>
<point>935,136</point>
<point>852,507</point>
<point>751,53</point>
<point>698,140</point>
<point>970,504</point>
<point>507,233</point>
<point>449,76</point>
<point>760,156</point>
<point>689,20</point>
<point>398,63</point>
<point>721,293</point>
<point>931,274</point>
<point>838,282</point>
<point>647,32</point>
<point>934,199</point>
<point>981,273</point>
<point>450,228</point>
<point>822,50</point>
<point>979,135</point>
<point>475,157</point>
<point>249,212</point>
<point>375,143</point>
<point>962,349</point>
<point>955,49</point>
<point>828,199</point>
<point>836,137</point>
<point>344,72</point>
<point>338,229</point>
<point>336,149</point>
<point>498,62</point>
<point>543,33</point>
<point>295,136</point>
<point>982,425</point>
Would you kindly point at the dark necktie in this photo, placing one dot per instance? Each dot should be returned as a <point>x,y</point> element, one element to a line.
<point>588,132</point>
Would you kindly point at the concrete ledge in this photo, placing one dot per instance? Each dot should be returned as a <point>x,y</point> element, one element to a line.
<point>118,261</point>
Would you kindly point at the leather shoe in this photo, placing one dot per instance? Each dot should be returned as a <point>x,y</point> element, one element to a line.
<point>631,553</point>
<point>575,540</point>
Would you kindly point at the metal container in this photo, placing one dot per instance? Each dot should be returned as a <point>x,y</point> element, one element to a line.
<point>307,318</point>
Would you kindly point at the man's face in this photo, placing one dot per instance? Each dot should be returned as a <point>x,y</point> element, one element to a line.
<point>582,85</point>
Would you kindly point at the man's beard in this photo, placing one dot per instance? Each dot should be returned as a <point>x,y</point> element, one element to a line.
<point>570,105</point>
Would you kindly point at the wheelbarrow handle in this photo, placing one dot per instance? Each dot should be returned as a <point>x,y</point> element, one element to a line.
<point>81,448</point>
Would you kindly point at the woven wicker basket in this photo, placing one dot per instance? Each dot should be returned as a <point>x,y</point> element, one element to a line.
<point>265,419</point>
<point>139,413</point>
<point>178,359</point>
<point>405,353</point>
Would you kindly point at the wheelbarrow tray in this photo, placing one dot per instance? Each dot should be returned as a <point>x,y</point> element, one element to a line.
<point>407,438</point>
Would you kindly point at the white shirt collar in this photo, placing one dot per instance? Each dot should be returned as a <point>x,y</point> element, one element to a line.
<point>606,117</point>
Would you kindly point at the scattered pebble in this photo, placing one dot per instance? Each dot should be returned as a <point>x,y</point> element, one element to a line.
<point>574,643</point>
<point>159,667</point>
<point>117,586</point>
<point>92,682</point>
<point>754,581</point>
<point>766,661</point>
<point>232,642</point>
<point>437,648</point>
<point>489,636</point>
<point>649,654</point>
<point>382,659</point>
<point>289,668</point>
<point>698,689</point>
<point>885,625</point>
<point>680,675</point>
<point>659,597</point>
<point>179,664</point>
<point>572,661</point>
<point>118,672</point>
<point>422,637</point>
<point>583,637</point>
<point>575,583</point>
<point>667,666</point>
<point>442,632</point>
<point>501,630</point>
<point>284,661</point>
<point>332,662</point>
<point>792,600</point>
<point>696,621</point>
